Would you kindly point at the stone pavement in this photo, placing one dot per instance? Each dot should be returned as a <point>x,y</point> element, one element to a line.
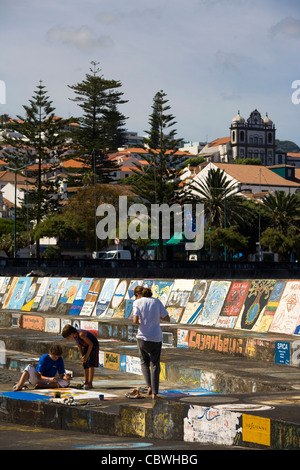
<point>205,396</point>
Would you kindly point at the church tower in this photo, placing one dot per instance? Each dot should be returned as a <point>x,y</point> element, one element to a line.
<point>253,139</point>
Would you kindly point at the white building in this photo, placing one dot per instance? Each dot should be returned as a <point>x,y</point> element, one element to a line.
<point>250,179</point>
<point>253,138</point>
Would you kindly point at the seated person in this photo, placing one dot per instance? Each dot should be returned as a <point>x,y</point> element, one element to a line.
<point>44,374</point>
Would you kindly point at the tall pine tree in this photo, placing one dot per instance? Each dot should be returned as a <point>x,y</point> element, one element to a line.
<point>100,130</point>
<point>157,182</point>
<point>38,140</point>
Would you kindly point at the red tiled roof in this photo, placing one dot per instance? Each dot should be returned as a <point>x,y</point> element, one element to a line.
<point>254,174</point>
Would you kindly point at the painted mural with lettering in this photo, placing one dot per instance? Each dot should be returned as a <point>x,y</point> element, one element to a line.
<point>205,424</point>
<point>287,315</point>
<point>91,297</point>
<point>256,305</point>
<point>80,296</point>
<point>233,304</point>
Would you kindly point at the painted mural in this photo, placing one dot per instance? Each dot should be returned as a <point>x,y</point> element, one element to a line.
<point>53,291</point>
<point>233,305</point>
<point>124,308</point>
<point>9,292</point>
<point>257,305</point>
<point>20,292</point>
<point>266,317</point>
<point>160,288</point>
<point>204,424</point>
<point>80,296</point>
<point>40,289</point>
<point>195,303</point>
<point>178,298</point>
<point>67,296</point>
<point>91,297</point>
<point>105,297</point>
<point>286,318</point>
<point>257,298</point>
<point>214,302</point>
<point>4,283</point>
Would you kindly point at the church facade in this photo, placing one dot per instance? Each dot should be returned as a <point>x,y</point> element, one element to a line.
<point>253,138</point>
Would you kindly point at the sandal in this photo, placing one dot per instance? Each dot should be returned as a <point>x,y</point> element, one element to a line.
<point>134,394</point>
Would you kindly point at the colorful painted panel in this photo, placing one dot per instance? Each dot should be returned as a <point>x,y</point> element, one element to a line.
<point>80,296</point>
<point>9,292</point>
<point>233,304</point>
<point>124,308</point>
<point>119,296</point>
<point>20,292</point>
<point>160,288</point>
<point>67,296</point>
<point>28,302</point>
<point>92,297</point>
<point>195,303</point>
<point>266,317</point>
<point>178,298</point>
<point>286,318</point>
<point>41,287</point>
<point>105,297</point>
<point>214,302</point>
<point>52,293</point>
<point>4,283</point>
<point>257,298</point>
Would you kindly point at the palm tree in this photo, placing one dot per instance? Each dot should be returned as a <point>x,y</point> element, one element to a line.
<point>222,205</point>
<point>283,211</point>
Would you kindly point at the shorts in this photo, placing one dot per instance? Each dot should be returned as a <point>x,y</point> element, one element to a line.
<point>34,380</point>
<point>93,359</point>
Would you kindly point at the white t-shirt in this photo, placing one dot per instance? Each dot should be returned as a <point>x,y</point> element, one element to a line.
<point>149,311</point>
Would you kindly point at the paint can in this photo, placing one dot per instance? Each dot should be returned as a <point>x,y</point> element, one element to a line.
<point>101,397</point>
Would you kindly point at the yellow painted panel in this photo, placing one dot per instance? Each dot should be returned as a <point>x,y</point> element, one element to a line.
<point>256,429</point>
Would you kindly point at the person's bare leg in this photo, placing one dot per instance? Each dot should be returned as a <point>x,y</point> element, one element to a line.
<point>91,377</point>
<point>24,377</point>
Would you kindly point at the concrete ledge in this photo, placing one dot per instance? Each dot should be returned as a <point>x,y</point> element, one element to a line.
<point>167,420</point>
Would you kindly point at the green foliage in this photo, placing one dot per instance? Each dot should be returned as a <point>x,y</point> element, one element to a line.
<point>42,140</point>
<point>101,126</point>
<point>222,205</point>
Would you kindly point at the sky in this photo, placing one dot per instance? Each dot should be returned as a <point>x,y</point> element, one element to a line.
<point>212,58</point>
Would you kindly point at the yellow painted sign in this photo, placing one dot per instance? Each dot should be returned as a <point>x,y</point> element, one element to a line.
<point>256,429</point>
<point>112,361</point>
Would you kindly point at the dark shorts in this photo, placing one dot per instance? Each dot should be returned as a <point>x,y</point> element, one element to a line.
<point>93,360</point>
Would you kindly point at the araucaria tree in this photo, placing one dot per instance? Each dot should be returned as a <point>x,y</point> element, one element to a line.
<point>36,149</point>
<point>157,182</point>
<point>100,128</point>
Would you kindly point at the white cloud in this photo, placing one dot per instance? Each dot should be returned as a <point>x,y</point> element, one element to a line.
<point>82,38</point>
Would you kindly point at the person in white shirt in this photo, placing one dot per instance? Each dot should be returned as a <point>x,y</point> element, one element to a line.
<point>147,314</point>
